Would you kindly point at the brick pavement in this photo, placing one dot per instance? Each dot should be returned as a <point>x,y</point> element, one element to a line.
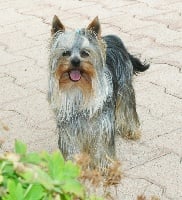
<point>150,29</point>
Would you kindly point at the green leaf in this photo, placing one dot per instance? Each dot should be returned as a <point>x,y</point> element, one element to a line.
<point>66,197</point>
<point>33,158</point>
<point>44,177</point>
<point>71,170</point>
<point>15,190</point>
<point>1,179</point>
<point>33,192</point>
<point>36,174</point>
<point>20,148</point>
<point>74,187</point>
<point>7,169</point>
<point>59,169</point>
<point>27,175</point>
<point>41,177</point>
<point>55,164</point>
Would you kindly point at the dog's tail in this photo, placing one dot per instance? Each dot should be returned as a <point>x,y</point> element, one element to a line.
<point>138,66</point>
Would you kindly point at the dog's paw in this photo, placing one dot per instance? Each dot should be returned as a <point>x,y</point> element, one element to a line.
<point>132,135</point>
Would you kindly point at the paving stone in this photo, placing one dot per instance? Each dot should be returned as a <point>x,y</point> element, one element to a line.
<point>38,54</point>
<point>33,27</point>
<point>22,72</point>
<point>36,140</point>
<point>65,5</point>
<point>166,77</point>
<point>134,154</point>
<point>175,6</point>
<point>133,187</point>
<point>20,4</point>
<point>34,107</point>
<point>21,42</point>
<point>161,3</point>
<point>128,23</point>
<point>8,58</point>
<point>11,92</point>
<point>159,103</point>
<point>170,19</point>
<point>173,59</point>
<point>117,4</point>
<point>153,126</point>
<point>142,10</point>
<point>170,141</point>
<point>154,51</point>
<point>165,172</point>
<point>10,16</point>
<point>95,10</point>
<point>40,85</point>
<point>150,30</point>
<point>157,34</point>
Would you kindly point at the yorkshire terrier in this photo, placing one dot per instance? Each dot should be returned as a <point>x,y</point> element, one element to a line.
<point>91,92</point>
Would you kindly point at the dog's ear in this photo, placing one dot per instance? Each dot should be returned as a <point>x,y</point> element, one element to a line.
<point>57,25</point>
<point>95,27</point>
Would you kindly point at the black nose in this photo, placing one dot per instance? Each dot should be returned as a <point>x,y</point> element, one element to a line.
<point>75,62</point>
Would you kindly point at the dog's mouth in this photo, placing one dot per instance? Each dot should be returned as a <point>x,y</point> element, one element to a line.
<point>75,75</point>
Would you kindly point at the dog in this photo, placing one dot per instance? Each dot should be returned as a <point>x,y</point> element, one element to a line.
<point>91,92</point>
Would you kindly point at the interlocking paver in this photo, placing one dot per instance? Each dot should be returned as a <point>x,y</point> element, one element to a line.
<point>11,92</point>
<point>169,59</point>
<point>171,19</point>
<point>34,102</point>
<point>157,32</point>
<point>123,20</point>
<point>21,42</point>
<point>166,171</point>
<point>142,10</point>
<point>24,72</point>
<point>149,29</point>
<point>7,58</point>
<point>169,140</point>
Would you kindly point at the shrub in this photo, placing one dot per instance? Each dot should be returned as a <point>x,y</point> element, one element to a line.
<point>39,176</point>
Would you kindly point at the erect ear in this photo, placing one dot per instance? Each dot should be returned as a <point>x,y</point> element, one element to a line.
<point>57,25</point>
<point>95,27</point>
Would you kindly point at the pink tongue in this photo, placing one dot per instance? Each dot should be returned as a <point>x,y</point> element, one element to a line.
<point>75,75</point>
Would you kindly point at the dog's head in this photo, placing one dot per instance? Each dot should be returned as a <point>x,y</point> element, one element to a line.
<point>77,62</point>
<point>79,55</point>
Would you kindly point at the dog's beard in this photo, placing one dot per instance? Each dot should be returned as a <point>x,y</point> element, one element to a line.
<point>73,102</point>
<point>70,102</point>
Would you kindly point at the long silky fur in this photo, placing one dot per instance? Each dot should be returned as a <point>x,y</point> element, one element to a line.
<point>90,127</point>
<point>122,66</point>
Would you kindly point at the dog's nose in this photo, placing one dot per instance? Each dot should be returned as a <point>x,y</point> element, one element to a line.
<point>75,62</point>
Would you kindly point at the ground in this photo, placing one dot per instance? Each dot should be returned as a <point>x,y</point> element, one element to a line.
<point>150,29</point>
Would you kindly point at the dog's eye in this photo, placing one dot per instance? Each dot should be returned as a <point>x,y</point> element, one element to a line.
<point>66,53</point>
<point>84,53</point>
